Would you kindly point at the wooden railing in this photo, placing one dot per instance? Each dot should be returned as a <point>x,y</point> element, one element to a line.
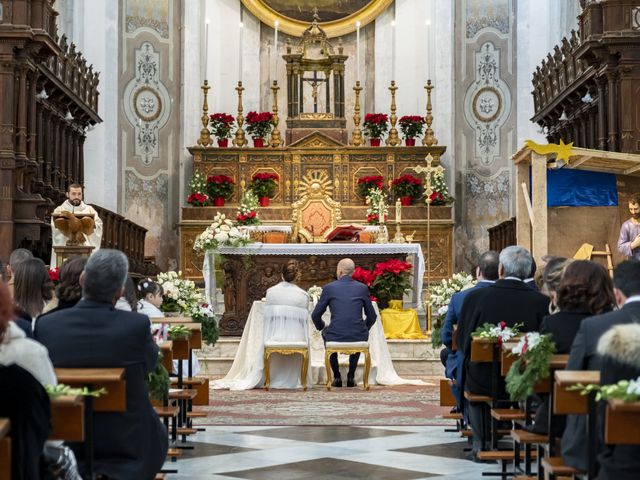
<point>122,234</point>
<point>502,235</point>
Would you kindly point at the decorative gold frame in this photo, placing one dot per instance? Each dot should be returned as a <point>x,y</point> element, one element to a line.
<point>335,28</point>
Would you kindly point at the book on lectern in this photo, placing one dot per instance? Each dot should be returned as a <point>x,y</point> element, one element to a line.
<point>344,233</point>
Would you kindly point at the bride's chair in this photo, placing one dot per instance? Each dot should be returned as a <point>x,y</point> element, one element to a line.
<point>315,214</point>
<point>286,348</point>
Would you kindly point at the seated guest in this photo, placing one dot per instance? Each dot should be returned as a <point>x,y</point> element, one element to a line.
<point>508,300</point>
<point>32,288</point>
<point>550,279</point>
<point>69,290</point>
<point>128,301</point>
<point>150,298</point>
<point>24,369</point>
<point>619,350</point>
<point>583,356</point>
<point>487,274</point>
<point>286,319</point>
<point>18,256</point>
<point>584,290</point>
<point>346,299</point>
<point>132,444</point>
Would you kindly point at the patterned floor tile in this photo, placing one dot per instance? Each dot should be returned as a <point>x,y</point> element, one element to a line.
<point>325,434</point>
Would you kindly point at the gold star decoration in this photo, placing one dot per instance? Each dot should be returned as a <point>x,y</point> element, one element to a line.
<point>563,150</point>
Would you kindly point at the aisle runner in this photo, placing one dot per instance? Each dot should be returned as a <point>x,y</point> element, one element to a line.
<point>397,405</point>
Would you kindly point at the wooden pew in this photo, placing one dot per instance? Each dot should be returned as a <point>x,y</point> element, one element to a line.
<point>67,418</point>
<point>114,400</point>
<point>166,348</point>
<point>5,449</point>
<point>622,423</point>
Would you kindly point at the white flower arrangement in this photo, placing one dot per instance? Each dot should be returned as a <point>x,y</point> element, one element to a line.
<point>442,292</point>
<point>500,332</point>
<point>221,232</point>
<point>377,207</point>
<point>180,295</point>
<point>529,341</point>
<point>314,293</point>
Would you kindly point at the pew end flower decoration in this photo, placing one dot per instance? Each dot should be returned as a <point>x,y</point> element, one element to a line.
<point>534,353</point>
<point>179,295</point>
<point>626,390</point>
<point>220,233</point>
<point>179,332</point>
<point>499,333</point>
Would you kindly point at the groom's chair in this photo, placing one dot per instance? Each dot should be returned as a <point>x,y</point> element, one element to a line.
<point>286,348</point>
<point>348,348</point>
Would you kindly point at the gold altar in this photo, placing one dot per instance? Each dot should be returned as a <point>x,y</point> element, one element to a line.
<point>344,165</point>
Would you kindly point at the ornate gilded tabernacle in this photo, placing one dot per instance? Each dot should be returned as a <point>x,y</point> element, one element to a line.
<point>312,65</point>
<point>316,214</point>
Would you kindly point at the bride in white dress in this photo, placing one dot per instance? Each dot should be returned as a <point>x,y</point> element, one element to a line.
<point>286,319</point>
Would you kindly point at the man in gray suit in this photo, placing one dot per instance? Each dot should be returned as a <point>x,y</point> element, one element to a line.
<point>347,299</point>
<point>583,356</point>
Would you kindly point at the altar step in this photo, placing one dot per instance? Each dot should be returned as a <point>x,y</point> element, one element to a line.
<point>411,358</point>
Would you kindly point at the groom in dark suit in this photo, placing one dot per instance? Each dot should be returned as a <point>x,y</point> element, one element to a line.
<point>346,299</point>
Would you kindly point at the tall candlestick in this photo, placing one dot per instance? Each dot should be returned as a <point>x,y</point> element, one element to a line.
<point>206,46</point>
<point>358,51</point>
<point>240,54</point>
<point>398,211</point>
<point>275,52</point>
<point>428,23</point>
<point>393,50</point>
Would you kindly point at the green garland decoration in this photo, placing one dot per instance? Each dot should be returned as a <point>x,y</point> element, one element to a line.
<point>179,332</point>
<point>530,368</point>
<point>158,381</point>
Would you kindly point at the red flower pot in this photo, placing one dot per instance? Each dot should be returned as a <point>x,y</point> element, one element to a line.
<point>410,142</point>
<point>375,142</point>
<point>264,201</point>
<point>258,142</point>
<point>218,201</point>
<point>223,142</point>
<point>406,201</point>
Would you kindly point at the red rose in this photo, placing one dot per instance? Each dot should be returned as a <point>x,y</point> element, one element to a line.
<point>502,325</point>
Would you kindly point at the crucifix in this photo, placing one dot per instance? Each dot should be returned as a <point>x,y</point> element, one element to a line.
<point>315,82</point>
<point>430,172</point>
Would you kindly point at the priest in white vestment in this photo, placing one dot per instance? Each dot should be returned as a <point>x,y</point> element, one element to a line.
<point>75,205</point>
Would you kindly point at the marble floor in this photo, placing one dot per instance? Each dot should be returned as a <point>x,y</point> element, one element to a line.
<point>326,453</point>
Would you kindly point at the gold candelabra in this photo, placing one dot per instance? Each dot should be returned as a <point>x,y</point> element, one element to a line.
<point>205,135</point>
<point>356,138</point>
<point>429,139</point>
<point>430,171</point>
<point>393,139</point>
<point>240,140</point>
<point>276,139</point>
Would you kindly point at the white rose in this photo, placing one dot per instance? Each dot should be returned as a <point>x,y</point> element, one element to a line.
<point>221,237</point>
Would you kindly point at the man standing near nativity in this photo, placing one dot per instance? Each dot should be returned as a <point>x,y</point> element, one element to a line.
<point>74,204</point>
<point>629,240</point>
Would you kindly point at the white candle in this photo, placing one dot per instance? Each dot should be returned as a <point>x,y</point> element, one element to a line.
<point>428,23</point>
<point>398,211</point>
<point>206,46</point>
<point>381,211</point>
<point>240,54</point>
<point>358,51</point>
<point>393,50</point>
<point>275,52</point>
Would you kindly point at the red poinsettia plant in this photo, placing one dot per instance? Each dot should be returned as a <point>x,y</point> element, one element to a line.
<point>374,219</point>
<point>221,124</point>
<point>54,275</point>
<point>407,186</point>
<point>220,186</point>
<point>365,184</point>
<point>389,280</point>
<point>249,218</point>
<point>411,125</point>
<point>259,124</point>
<point>264,184</point>
<point>376,124</point>
<point>197,199</point>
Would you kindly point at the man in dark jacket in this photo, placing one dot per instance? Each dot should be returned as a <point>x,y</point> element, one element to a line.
<point>132,444</point>
<point>346,298</point>
<point>508,300</point>
<point>584,356</point>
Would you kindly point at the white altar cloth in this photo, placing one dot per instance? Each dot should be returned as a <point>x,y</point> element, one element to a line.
<point>247,370</point>
<point>413,250</point>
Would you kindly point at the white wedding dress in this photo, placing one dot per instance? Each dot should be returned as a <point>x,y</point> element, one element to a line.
<point>285,319</point>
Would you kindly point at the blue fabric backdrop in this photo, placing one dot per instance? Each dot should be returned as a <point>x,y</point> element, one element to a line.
<point>580,188</point>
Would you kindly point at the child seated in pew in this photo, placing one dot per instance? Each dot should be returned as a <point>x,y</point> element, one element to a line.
<point>151,298</point>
